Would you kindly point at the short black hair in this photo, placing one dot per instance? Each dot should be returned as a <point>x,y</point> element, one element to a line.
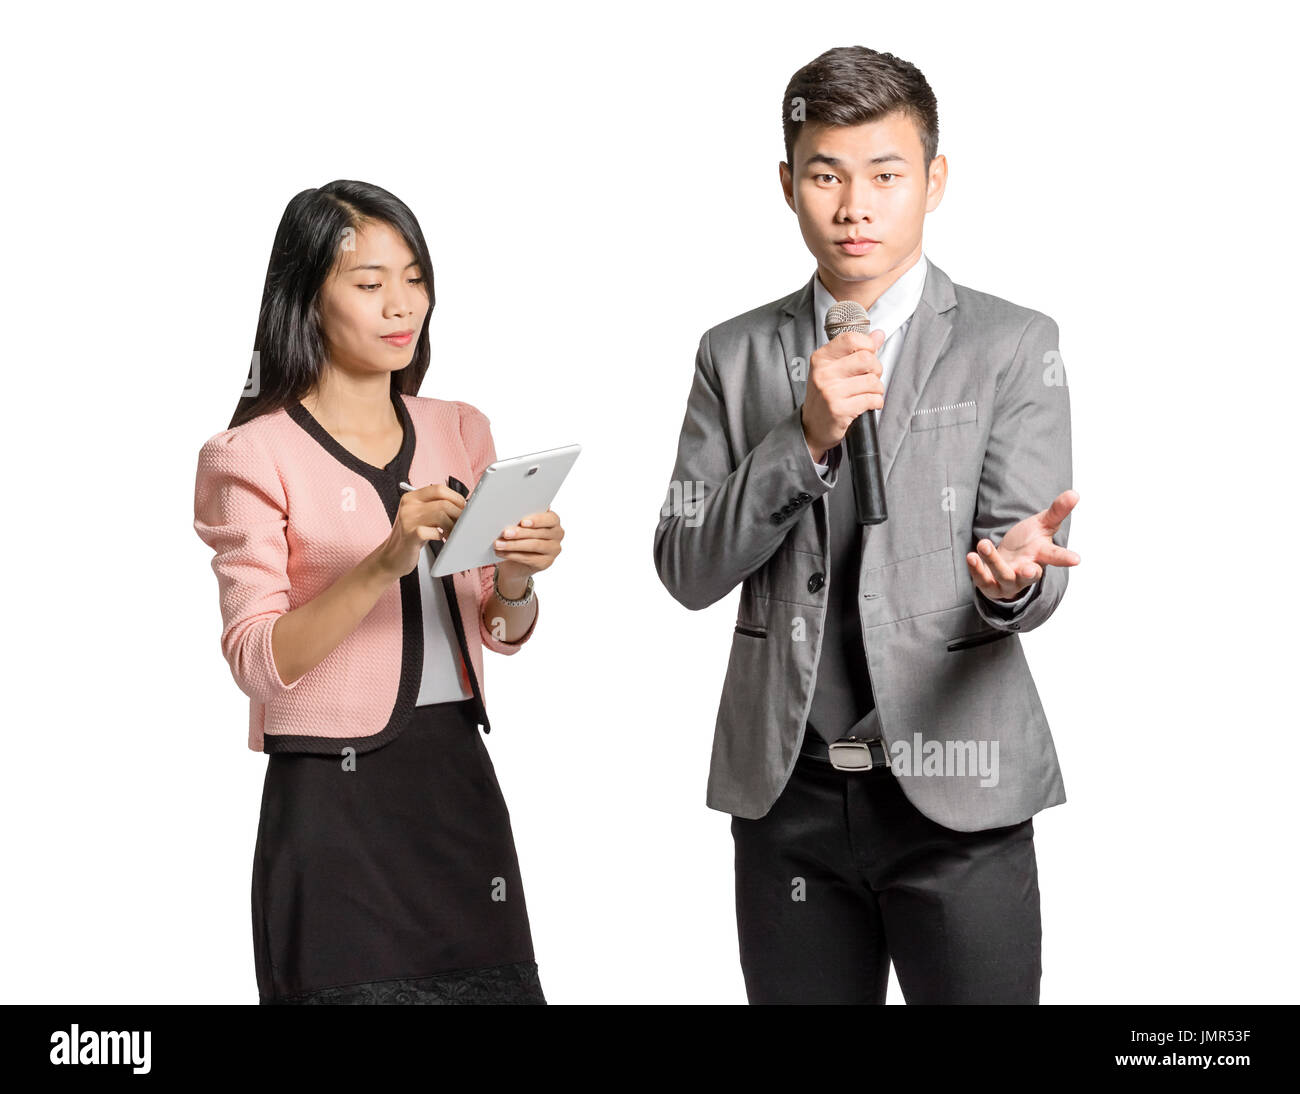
<point>850,85</point>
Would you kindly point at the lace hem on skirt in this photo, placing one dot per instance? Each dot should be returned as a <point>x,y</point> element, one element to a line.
<point>508,984</point>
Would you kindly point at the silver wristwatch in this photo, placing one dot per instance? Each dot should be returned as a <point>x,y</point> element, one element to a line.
<point>528,592</point>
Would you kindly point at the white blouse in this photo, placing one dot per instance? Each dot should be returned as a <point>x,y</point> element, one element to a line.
<point>440,678</point>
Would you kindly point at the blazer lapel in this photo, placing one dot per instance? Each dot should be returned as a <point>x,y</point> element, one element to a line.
<point>795,332</point>
<point>797,342</point>
<point>927,334</point>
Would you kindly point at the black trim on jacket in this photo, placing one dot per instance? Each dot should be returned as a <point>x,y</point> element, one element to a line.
<point>385,480</point>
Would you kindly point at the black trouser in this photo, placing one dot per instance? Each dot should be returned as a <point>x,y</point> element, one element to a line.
<point>844,873</point>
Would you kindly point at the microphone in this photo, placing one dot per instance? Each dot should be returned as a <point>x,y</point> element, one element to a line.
<point>862,448</point>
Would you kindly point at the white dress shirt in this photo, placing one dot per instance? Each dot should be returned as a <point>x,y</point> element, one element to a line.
<point>892,313</point>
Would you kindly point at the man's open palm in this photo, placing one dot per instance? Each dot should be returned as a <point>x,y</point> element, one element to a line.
<point>1004,571</point>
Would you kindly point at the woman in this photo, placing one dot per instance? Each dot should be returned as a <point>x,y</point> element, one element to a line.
<point>385,866</point>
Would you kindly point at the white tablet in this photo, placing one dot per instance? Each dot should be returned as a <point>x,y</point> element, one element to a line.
<point>506,492</point>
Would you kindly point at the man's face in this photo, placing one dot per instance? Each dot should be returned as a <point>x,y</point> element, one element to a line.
<point>862,182</point>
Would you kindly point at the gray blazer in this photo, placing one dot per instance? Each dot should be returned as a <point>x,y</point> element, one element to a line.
<point>975,436</point>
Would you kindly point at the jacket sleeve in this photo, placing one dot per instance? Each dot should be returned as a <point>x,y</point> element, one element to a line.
<point>1026,465</point>
<point>476,435</point>
<point>240,512</point>
<point>719,523</point>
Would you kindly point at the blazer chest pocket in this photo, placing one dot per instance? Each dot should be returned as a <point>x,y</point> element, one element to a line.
<point>752,629</point>
<point>979,638</point>
<point>936,417</point>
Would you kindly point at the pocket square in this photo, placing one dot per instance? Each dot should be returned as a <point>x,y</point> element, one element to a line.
<point>952,414</point>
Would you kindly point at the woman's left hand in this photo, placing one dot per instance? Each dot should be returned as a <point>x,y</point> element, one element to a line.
<point>529,546</point>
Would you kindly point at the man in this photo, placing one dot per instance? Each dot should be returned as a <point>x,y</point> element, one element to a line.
<point>879,743</point>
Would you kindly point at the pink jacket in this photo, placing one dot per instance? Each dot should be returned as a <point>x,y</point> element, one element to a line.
<point>287,510</point>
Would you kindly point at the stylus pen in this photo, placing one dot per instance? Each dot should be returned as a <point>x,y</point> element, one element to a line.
<point>434,545</point>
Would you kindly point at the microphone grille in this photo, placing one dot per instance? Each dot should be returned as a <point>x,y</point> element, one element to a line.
<point>846,315</point>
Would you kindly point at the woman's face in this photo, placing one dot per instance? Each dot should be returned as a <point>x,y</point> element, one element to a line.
<point>376,291</point>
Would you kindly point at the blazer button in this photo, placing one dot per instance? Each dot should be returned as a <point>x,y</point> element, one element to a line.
<point>805,497</point>
<point>815,582</point>
<point>777,518</point>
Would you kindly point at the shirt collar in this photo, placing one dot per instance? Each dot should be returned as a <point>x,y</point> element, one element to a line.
<point>894,307</point>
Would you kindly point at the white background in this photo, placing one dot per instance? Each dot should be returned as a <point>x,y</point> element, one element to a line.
<point>607,177</point>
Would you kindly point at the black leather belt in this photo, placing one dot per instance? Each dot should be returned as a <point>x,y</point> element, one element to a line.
<point>847,753</point>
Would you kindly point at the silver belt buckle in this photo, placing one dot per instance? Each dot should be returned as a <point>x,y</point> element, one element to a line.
<point>852,752</point>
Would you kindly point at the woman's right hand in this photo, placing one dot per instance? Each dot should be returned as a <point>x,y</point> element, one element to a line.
<point>423,514</point>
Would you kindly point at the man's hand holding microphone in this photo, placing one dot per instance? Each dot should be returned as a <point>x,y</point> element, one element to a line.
<point>844,381</point>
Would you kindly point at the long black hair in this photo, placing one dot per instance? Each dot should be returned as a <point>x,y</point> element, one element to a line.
<point>289,348</point>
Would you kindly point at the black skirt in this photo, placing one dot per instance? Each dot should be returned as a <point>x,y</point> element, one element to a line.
<point>396,882</point>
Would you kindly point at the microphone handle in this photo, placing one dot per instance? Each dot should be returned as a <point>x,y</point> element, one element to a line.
<point>862,450</point>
